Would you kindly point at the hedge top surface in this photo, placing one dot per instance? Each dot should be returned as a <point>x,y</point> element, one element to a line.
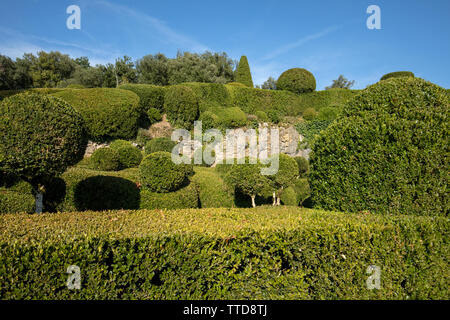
<point>108,112</point>
<point>215,222</point>
<point>40,135</point>
<point>397,74</point>
<point>297,80</point>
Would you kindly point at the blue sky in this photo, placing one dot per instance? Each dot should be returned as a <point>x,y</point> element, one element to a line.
<point>328,38</point>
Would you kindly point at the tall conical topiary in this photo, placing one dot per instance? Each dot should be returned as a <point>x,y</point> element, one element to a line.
<point>243,74</point>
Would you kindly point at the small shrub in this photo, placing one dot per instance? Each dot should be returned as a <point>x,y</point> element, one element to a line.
<point>181,106</point>
<point>232,117</point>
<point>397,74</point>
<point>209,120</point>
<point>302,190</point>
<point>274,116</point>
<point>150,96</point>
<point>158,173</point>
<point>129,157</point>
<point>119,143</point>
<point>159,144</point>
<point>297,80</point>
<point>303,166</point>
<point>309,114</point>
<point>213,192</point>
<point>105,159</point>
<point>262,116</point>
<point>154,115</point>
<point>289,197</point>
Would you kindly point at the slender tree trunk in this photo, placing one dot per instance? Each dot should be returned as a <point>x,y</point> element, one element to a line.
<point>274,197</point>
<point>253,201</point>
<point>278,201</point>
<point>39,201</point>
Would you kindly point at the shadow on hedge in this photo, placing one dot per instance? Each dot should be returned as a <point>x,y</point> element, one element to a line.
<point>106,193</point>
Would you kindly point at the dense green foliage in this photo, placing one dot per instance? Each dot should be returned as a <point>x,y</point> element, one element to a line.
<point>181,106</point>
<point>40,137</point>
<point>183,198</point>
<point>159,144</point>
<point>150,96</point>
<point>129,155</point>
<point>16,197</point>
<point>159,173</point>
<point>397,74</point>
<point>286,174</point>
<point>108,113</point>
<point>309,114</point>
<point>296,80</point>
<point>310,129</point>
<point>303,166</point>
<point>262,116</point>
<point>213,192</point>
<point>232,117</point>
<point>387,153</point>
<point>105,159</point>
<point>243,74</point>
<point>264,253</point>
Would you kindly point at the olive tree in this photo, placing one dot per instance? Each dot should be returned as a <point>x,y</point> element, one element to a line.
<point>40,136</point>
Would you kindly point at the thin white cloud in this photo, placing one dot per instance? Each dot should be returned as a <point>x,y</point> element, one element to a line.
<point>299,43</point>
<point>169,34</point>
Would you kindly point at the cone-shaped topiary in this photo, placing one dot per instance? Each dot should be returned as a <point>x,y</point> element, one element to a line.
<point>297,80</point>
<point>40,136</point>
<point>243,74</point>
<point>387,152</point>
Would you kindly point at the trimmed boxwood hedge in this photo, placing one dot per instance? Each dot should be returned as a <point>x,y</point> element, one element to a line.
<point>387,152</point>
<point>159,144</point>
<point>213,192</point>
<point>159,173</point>
<point>183,198</point>
<point>150,96</point>
<point>105,159</point>
<point>397,74</point>
<point>297,80</point>
<point>108,113</point>
<point>262,253</point>
<point>181,106</point>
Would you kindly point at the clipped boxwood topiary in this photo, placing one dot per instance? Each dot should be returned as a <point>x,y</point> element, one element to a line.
<point>150,96</point>
<point>397,74</point>
<point>154,115</point>
<point>289,197</point>
<point>159,173</point>
<point>303,166</point>
<point>120,143</point>
<point>186,197</point>
<point>129,157</point>
<point>105,159</point>
<point>40,136</point>
<point>232,117</point>
<point>159,144</point>
<point>209,120</point>
<point>387,152</point>
<point>297,80</point>
<point>181,106</point>
<point>108,113</point>
<point>243,74</point>
<point>262,116</point>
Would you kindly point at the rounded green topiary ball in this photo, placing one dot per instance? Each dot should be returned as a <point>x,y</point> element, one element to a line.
<point>159,144</point>
<point>387,152</point>
<point>40,136</point>
<point>129,156</point>
<point>159,173</point>
<point>297,80</point>
<point>105,159</point>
